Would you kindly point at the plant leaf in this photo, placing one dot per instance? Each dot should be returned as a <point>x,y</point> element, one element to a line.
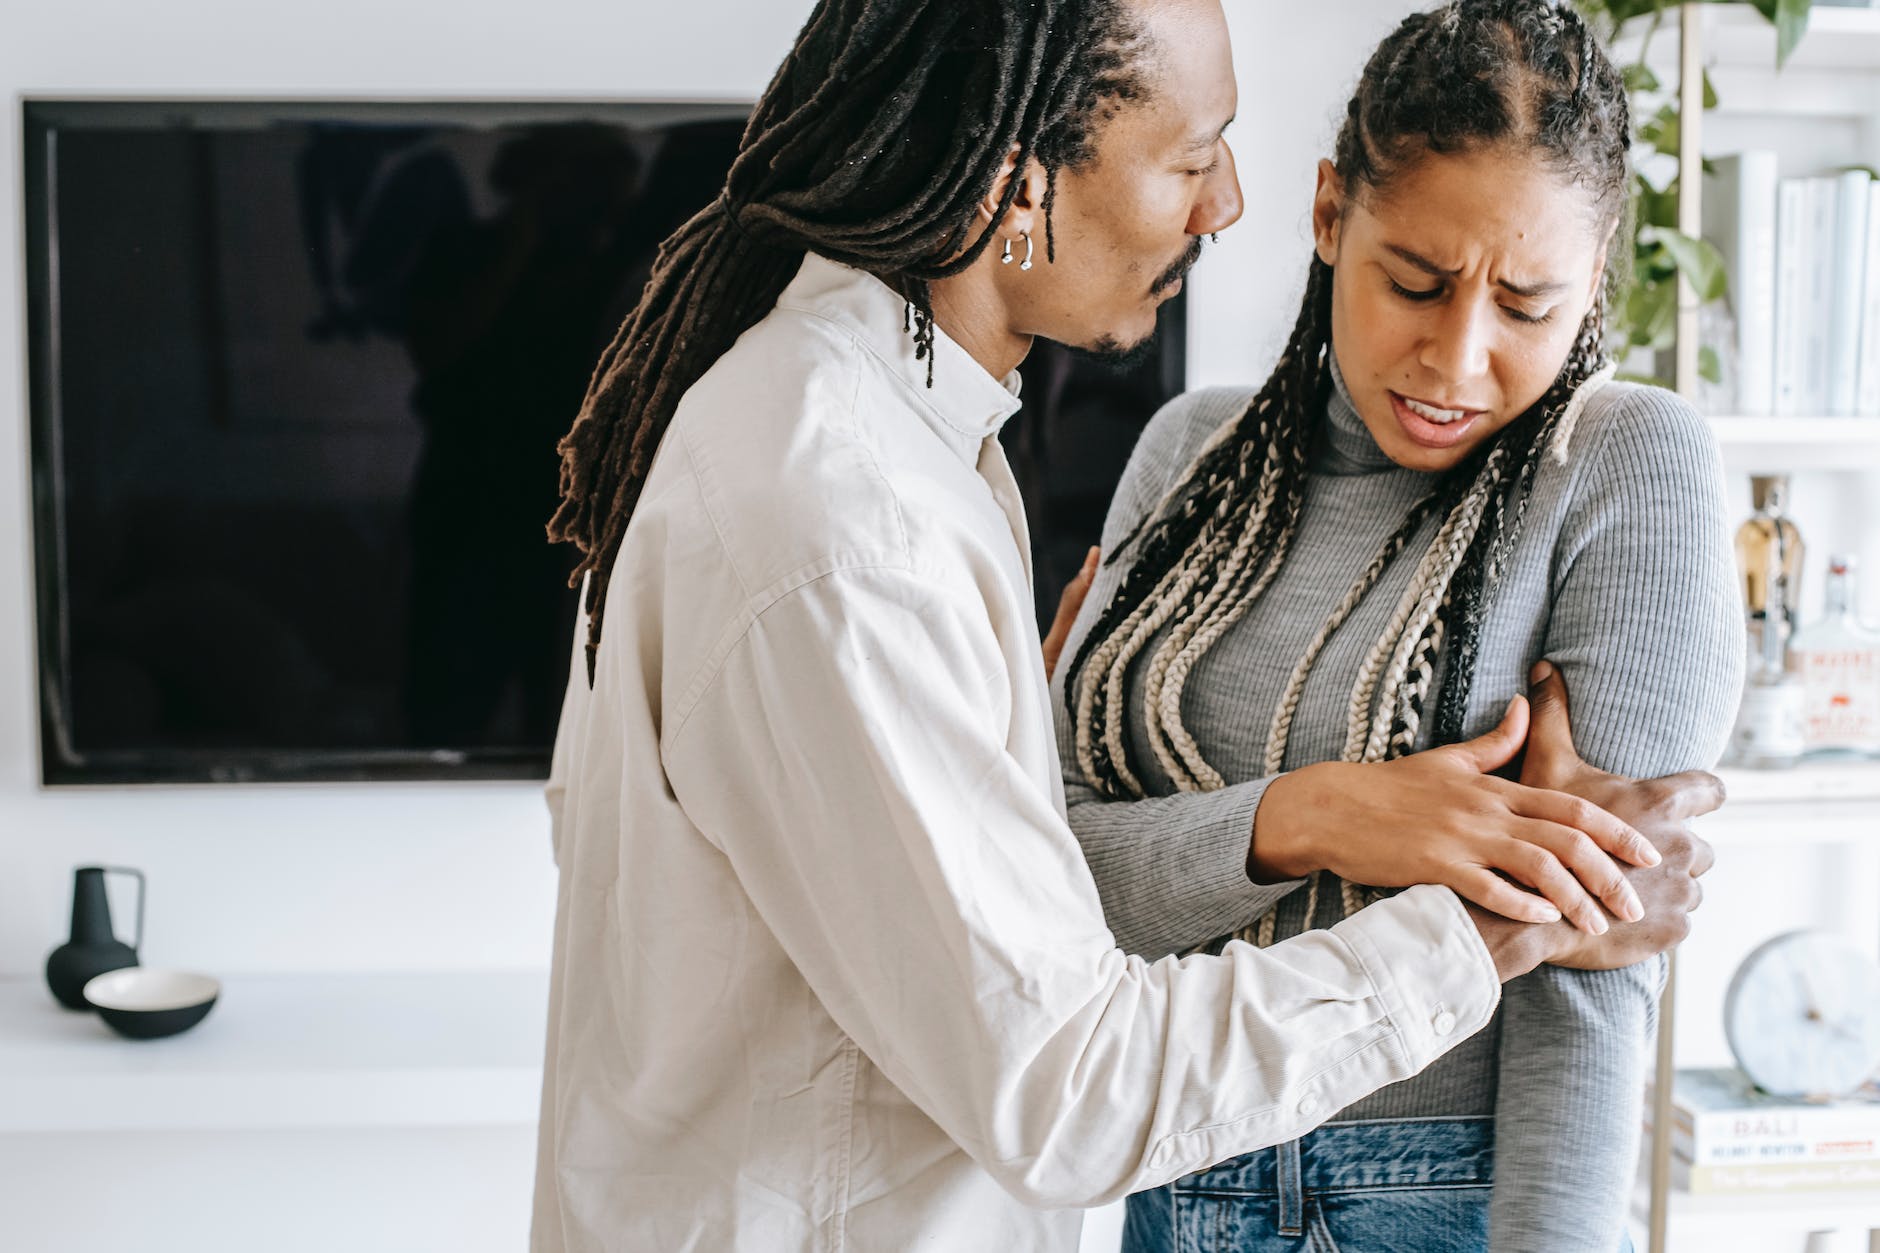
<point>1698,259</point>
<point>1639,78</point>
<point>1710,91</point>
<point>1790,18</point>
<point>1709,368</point>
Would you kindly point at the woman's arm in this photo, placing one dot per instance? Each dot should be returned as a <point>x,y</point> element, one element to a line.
<point>1646,630</point>
<point>1177,871</point>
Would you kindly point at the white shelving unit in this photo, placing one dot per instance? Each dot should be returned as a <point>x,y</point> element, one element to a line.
<point>1791,444</point>
<point>285,1053</point>
<point>1820,111</point>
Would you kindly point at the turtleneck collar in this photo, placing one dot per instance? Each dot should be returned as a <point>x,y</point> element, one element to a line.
<point>1345,445</point>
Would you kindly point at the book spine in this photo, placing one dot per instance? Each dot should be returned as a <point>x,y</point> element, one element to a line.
<point>1791,287</point>
<point>1740,219</point>
<point>1818,248</point>
<point>1801,1177</point>
<point>1847,278</point>
<point>1825,1134</point>
<point>1868,399</point>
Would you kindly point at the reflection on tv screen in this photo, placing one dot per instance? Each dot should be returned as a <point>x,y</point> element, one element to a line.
<point>300,372</point>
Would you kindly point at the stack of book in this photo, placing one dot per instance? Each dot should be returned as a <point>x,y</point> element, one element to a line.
<point>1728,1136</point>
<point>1803,260</point>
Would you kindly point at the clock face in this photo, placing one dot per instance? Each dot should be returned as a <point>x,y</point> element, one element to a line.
<point>1803,1015</point>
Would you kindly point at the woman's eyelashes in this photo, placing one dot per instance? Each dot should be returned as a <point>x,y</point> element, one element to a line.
<point>1422,295</point>
<point>1419,295</point>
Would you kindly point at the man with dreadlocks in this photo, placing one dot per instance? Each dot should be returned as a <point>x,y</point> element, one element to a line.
<point>830,971</point>
<point>1435,489</point>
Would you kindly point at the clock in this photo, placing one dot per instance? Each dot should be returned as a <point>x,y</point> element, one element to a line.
<point>1803,1015</point>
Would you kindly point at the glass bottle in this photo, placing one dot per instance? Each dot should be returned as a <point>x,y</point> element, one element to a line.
<point>1770,727</point>
<point>1769,558</point>
<point>1838,661</point>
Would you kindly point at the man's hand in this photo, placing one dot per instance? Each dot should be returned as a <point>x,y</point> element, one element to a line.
<point>1657,808</point>
<point>1068,604</point>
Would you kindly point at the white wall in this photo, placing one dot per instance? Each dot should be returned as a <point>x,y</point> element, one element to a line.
<point>435,877</point>
<point>330,877</point>
<point>387,877</point>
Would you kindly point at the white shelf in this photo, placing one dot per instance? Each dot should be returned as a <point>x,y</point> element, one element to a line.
<point>1799,443</point>
<point>285,1051</point>
<point>1823,1209</point>
<point>1834,71</point>
<point>1837,39</point>
<point>1815,803</point>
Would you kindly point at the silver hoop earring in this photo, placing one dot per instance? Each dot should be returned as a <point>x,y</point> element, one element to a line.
<point>1026,263</point>
<point>1005,258</point>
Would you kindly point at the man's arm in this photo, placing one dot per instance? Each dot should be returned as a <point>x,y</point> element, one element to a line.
<point>849,759</point>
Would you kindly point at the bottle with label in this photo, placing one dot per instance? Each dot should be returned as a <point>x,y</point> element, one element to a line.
<point>1770,727</point>
<point>1838,661</point>
<point>1769,558</point>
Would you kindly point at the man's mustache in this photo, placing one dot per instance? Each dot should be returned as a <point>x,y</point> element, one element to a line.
<point>1180,268</point>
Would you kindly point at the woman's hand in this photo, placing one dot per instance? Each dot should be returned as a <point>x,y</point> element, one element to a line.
<point>1442,817</point>
<point>1068,604</point>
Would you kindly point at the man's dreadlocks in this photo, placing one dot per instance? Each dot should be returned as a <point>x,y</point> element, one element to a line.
<point>873,146</point>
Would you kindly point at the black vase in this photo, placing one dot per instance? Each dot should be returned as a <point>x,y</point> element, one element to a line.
<point>93,948</point>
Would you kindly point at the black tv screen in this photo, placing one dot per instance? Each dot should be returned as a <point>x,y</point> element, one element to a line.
<point>298,371</point>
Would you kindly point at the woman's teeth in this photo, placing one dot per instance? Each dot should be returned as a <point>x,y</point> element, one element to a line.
<point>1442,417</point>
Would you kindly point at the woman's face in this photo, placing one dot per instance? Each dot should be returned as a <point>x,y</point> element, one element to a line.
<point>1457,293</point>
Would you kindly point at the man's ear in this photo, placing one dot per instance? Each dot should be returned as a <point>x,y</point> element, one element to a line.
<point>1026,212</point>
<point>1328,210</point>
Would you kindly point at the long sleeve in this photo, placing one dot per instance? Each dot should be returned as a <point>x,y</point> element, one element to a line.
<point>1645,629</point>
<point>1171,870</point>
<point>925,885</point>
<point>574,709</point>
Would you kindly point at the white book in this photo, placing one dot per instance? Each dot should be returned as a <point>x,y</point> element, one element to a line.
<point>1847,272</point>
<point>1740,219</point>
<point>1791,294</point>
<point>1867,396</point>
<point>1818,257</point>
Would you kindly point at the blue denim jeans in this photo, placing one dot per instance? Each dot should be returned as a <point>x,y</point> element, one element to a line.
<point>1414,1185</point>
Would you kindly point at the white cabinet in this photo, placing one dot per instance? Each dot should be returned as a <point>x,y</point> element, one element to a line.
<point>1796,848</point>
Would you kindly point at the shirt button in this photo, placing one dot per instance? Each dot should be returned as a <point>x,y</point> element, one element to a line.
<point>1444,1022</point>
<point>1309,1106</point>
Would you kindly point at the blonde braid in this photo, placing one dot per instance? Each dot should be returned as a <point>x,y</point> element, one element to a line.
<point>1182,761</point>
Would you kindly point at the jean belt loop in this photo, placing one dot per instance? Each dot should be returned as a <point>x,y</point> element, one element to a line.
<point>1292,1197</point>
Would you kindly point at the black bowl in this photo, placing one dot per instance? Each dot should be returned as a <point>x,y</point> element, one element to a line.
<point>146,1004</point>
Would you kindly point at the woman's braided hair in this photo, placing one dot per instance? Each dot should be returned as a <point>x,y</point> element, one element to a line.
<point>1525,75</point>
<point>883,130</point>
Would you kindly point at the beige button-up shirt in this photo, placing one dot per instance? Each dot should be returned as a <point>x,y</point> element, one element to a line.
<point>830,972</point>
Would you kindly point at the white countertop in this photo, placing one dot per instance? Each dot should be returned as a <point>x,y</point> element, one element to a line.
<point>277,1051</point>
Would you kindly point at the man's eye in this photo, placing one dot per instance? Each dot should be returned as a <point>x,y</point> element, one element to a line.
<point>1206,170</point>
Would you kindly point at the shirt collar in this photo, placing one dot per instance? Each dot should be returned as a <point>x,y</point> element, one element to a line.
<point>964,400</point>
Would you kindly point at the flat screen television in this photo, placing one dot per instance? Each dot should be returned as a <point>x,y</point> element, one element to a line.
<point>297,374</point>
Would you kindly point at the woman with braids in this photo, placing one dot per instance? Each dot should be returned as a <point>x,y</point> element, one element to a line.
<point>830,971</point>
<point>1437,488</point>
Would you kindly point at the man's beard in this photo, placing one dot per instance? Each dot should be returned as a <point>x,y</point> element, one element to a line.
<point>1114,353</point>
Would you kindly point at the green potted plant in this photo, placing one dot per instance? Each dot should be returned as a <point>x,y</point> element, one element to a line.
<point>1644,317</point>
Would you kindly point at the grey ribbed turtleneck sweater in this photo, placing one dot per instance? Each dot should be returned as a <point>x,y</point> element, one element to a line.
<point>1623,578</point>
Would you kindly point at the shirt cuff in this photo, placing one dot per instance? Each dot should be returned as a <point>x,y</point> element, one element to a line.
<point>1430,968</point>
